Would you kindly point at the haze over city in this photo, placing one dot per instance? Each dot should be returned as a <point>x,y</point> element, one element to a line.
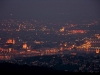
<point>50,9</point>
<point>62,34</point>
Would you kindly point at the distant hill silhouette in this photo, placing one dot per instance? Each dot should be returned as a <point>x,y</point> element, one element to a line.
<point>9,68</point>
<point>25,69</point>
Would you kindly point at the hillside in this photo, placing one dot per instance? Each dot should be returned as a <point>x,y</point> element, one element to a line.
<point>8,68</point>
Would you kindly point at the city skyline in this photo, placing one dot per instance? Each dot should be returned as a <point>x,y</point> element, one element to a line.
<point>59,34</point>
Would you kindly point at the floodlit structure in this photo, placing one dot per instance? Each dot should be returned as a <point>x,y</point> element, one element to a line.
<point>24,46</point>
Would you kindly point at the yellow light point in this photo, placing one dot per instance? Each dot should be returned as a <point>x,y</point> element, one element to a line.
<point>65,44</point>
<point>73,46</point>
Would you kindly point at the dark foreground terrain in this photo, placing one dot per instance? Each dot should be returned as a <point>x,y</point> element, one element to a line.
<point>9,68</point>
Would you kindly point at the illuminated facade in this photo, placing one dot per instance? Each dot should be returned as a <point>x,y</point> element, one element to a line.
<point>12,41</point>
<point>25,46</point>
<point>78,31</point>
<point>97,51</point>
<point>62,29</point>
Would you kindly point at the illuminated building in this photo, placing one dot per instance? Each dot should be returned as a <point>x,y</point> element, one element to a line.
<point>25,46</point>
<point>37,42</point>
<point>62,29</point>
<point>9,41</point>
<point>65,44</point>
<point>87,45</point>
<point>61,48</point>
<point>77,31</point>
<point>44,28</point>
<point>73,46</point>
<point>98,37</point>
<point>97,51</point>
<point>10,49</point>
<point>12,41</point>
<point>84,46</point>
<point>28,50</point>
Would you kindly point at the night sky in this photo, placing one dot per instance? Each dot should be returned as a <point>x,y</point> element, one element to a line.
<point>50,9</point>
